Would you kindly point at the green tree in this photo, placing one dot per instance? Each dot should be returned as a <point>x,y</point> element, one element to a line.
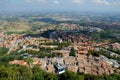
<point>50,76</point>
<point>72,52</point>
<point>3,50</point>
<point>29,61</point>
<point>24,73</point>
<point>68,75</point>
<point>38,74</point>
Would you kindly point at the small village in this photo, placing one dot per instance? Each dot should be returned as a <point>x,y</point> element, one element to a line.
<point>59,39</point>
<point>79,62</point>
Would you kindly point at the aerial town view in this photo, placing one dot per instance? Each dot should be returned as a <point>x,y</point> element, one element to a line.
<point>59,40</point>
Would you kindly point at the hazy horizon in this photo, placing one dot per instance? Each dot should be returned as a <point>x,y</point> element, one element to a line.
<point>14,6</point>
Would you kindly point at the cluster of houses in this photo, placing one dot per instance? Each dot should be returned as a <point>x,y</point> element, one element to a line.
<point>81,62</point>
<point>89,65</point>
<point>115,46</point>
<point>18,42</point>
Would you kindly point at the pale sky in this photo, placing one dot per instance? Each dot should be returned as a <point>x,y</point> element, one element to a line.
<point>59,5</point>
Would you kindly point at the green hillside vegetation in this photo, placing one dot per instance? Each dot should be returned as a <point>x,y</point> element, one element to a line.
<point>17,26</point>
<point>16,72</point>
